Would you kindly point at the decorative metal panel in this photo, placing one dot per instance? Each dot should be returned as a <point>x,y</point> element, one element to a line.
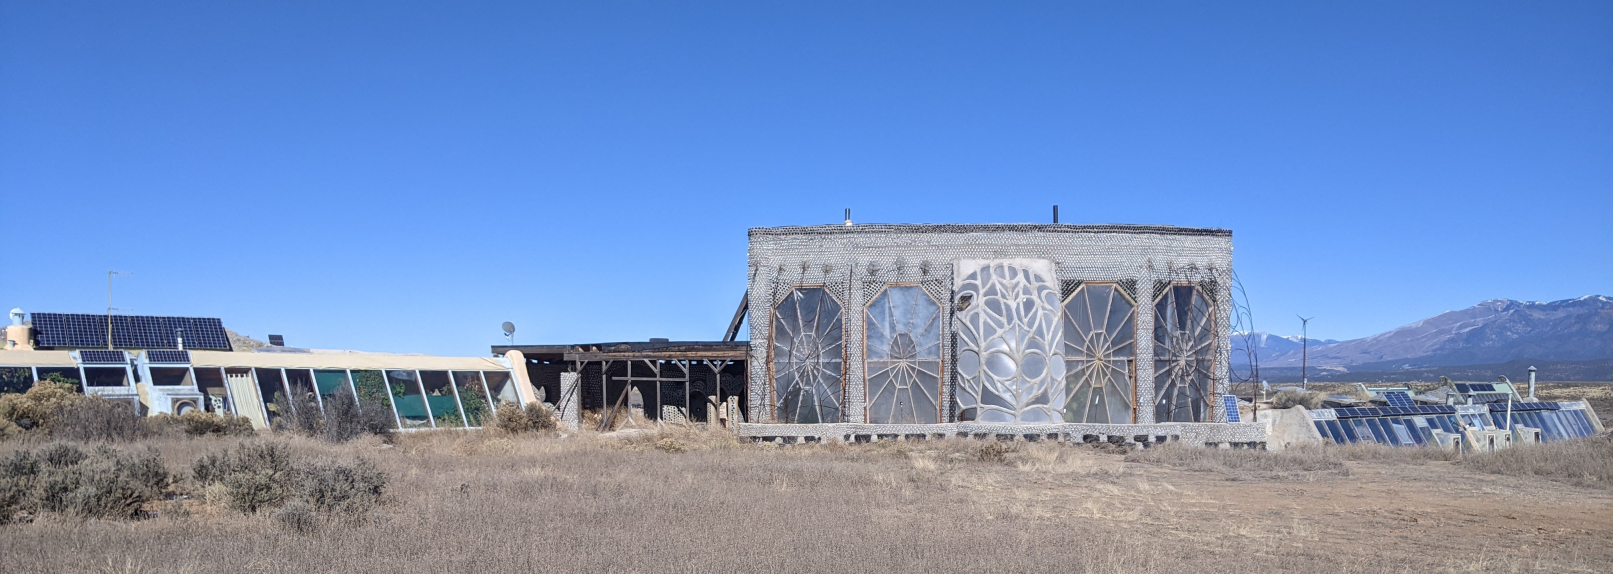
<point>1184,355</point>
<point>1100,345</point>
<point>1010,360</point>
<point>808,357</point>
<point>902,350</point>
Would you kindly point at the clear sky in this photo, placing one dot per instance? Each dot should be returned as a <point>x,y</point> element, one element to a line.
<point>405,177</point>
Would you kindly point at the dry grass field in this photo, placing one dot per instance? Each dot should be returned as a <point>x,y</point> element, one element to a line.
<point>687,501</point>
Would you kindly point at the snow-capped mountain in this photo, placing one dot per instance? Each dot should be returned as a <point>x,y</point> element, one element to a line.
<point>1494,331</point>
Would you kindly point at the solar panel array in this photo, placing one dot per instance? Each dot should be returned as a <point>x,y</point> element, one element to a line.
<point>168,357</point>
<point>1394,411</point>
<point>102,356</point>
<point>1231,403</point>
<point>1398,399</point>
<point>1475,388</point>
<point>82,330</point>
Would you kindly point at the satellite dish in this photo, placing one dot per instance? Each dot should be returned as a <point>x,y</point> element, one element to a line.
<point>509,328</point>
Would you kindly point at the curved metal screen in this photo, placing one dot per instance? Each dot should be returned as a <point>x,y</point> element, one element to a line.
<point>1010,366</point>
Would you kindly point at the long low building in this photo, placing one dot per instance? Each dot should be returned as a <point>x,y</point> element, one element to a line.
<point>418,391</point>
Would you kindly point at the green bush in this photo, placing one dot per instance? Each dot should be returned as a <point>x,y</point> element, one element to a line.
<point>513,418</point>
<point>337,488</point>
<point>94,419</point>
<point>104,483</point>
<point>38,408</point>
<point>255,476</point>
<point>1289,398</point>
<point>265,476</point>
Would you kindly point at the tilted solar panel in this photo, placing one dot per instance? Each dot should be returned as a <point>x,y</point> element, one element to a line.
<point>1231,404</point>
<point>82,330</point>
<point>167,356</point>
<point>1398,399</point>
<point>103,356</point>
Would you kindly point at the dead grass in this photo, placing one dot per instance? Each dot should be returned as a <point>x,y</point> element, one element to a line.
<point>679,499</point>
<point>1307,464</point>
<point>1585,462</point>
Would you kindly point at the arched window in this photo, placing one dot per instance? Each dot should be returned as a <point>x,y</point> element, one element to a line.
<point>1100,346</point>
<point>1184,355</point>
<point>902,351</point>
<point>808,357</point>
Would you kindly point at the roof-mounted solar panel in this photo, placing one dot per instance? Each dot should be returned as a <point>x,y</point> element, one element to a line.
<point>102,357</point>
<point>1231,404</point>
<point>1398,399</point>
<point>168,356</point>
<point>86,331</point>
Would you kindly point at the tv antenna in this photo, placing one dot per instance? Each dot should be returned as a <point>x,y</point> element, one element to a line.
<point>509,332</point>
<point>109,308</point>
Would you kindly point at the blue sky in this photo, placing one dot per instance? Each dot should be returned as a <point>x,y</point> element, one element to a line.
<point>405,177</point>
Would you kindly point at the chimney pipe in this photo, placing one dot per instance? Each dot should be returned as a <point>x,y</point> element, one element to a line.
<point>1055,214</point>
<point>848,216</point>
<point>1531,382</point>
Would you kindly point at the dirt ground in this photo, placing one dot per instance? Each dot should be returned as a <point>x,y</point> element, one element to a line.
<point>702,502</point>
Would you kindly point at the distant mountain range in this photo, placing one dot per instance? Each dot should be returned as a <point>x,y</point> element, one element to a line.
<point>1489,337</point>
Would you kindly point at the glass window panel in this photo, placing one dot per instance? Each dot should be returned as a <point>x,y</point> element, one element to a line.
<point>244,396</point>
<point>16,379</point>
<point>1335,433</point>
<point>301,384</point>
<point>1377,431</point>
<point>170,376</point>
<point>331,382</point>
<point>1184,355</point>
<point>502,386</point>
<point>441,398</point>
<point>68,375</point>
<point>272,389</point>
<point>473,396</point>
<point>106,376</point>
<point>808,357</point>
<point>215,398</point>
<point>1348,427</point>
<point>1010,335</point>
<point>1100,341</point>
<point>408,399</point>
<point>373,391</point>
<point>902,350</point>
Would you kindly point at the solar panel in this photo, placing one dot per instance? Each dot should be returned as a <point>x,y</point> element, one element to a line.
<point>1464,389</point>
<point>102,356</point>
<point>1398,399</point>
<point>1231,403</point>
<point>168,356</point>
<point>82,330</point>
<point>1482,388</point>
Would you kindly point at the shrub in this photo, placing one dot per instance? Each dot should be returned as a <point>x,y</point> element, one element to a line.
<point>203,423</point>
<point>40,407</point>
<point>297,517</point>
<point>254,476</point>
<point>350,489</point>
<point>94,419</point>
<point>344,420</point>
<point>1288,398</point>
<point>995,452</point>
<point>1586,462</point>
<point>106,483</point>
<point>513,418</point>
<point>301,416</point>
<point>1289,464</point>
<point>264,476</point>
